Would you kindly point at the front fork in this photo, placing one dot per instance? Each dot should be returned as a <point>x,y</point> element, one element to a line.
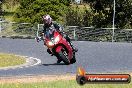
<point>49,51</point>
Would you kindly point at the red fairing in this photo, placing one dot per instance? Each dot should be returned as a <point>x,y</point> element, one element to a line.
<point>58,49</point>
<point>64,42</point>
<point>70,54</point>
<point>59,41</point>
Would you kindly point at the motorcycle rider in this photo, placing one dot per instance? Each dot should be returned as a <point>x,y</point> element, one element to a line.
<point>52,26</point>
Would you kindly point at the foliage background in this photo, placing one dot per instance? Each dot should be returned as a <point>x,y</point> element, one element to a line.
<point>97,13</point>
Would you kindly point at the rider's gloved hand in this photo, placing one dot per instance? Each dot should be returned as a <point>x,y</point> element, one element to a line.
<point>38,39</point>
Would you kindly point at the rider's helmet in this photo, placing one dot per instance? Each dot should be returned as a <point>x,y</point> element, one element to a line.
<point>47,20</point>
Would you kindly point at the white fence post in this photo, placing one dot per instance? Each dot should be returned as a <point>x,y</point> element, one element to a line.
<point>113,34</point>
<point>0,26</point>
<point>74,33</point>
<point>38,30</point>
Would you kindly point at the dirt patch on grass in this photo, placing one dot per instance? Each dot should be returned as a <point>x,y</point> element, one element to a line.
<point>37,78</point>
<point>32,79</point>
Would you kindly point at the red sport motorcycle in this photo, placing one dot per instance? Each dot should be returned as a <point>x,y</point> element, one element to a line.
<point>59,47</point>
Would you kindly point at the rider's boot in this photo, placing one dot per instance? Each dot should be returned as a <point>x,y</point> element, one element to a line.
<point>74,48</point>
<point>69,40</point>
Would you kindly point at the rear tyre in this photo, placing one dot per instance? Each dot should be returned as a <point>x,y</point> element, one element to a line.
<point>64,57</point>
<point>73,60</point>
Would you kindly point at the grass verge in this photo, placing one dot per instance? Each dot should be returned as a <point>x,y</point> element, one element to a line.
<point>10,60</point>
<point>63,84</point>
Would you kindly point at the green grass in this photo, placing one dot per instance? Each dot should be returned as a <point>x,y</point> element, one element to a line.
<point>63,84</point>
<point>10,60</point>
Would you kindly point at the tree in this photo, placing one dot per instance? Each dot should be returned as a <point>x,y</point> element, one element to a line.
<point>0,7</point>
<point>33,10</point>
<point>123,12</point>
<point>10,3</point>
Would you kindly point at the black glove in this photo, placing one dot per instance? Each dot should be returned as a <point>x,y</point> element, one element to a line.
<point>38,39</point>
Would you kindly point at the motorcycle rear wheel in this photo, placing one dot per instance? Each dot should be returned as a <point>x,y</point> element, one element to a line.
<point>73,60</point>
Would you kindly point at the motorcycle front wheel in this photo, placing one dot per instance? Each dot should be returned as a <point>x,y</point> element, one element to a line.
<point>64,57</point>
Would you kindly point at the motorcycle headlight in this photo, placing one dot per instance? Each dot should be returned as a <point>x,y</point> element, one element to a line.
<point>50,44</point>
<point>57,39</point>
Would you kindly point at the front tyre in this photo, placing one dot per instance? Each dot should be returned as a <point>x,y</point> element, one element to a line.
<point>64,57</point>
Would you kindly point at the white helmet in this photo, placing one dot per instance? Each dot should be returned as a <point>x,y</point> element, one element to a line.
<point>47,19</point>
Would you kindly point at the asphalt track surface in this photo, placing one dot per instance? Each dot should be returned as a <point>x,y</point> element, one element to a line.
<point>95,57</point>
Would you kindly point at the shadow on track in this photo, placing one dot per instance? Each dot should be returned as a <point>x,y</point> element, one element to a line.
<point>53,64</point>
